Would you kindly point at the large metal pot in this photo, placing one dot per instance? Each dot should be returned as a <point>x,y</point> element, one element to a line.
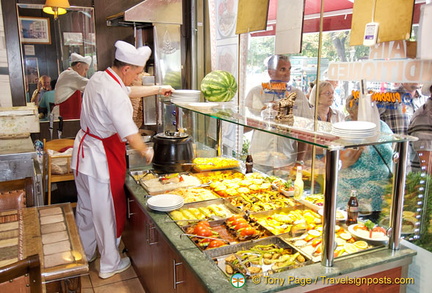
<point>173,152</point>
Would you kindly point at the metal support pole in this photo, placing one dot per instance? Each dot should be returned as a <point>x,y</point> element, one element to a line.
<point>400,159</point>
<point>219,137</point>
<point>194,45</point>
<point>328,233</point>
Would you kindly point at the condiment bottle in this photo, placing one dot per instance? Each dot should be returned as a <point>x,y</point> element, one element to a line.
<point>352,210</point>
<point>298,183</point>
<point>249,164</point>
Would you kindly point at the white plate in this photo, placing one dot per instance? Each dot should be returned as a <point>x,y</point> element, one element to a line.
<point>166,209</point>
<point>203,105</point>
<point>186,93</point>
<point>165,201</point>
<point>340,215</point>
<point>408,226</point>
<point>287,192</point>
<point>364,236</point>
<point>354,125</point>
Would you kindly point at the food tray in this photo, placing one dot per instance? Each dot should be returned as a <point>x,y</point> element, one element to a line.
<point>220,254</point>
<point>292,220</point>
<point>215,163</point>
<point>310,243</point>
<point>313,205</point>
<point>195,194</point>
<point>139,175</point>
<point>263,201</point>
<point>204,211</point>
<point>212,176</point>
<point>155,186</point>
<point>223,232</point>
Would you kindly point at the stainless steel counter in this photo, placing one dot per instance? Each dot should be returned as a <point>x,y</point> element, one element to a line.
<point>18,160</point>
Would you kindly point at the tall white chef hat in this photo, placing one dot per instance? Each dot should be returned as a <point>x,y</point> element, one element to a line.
<point>127,53</point>
<point>78,58</point>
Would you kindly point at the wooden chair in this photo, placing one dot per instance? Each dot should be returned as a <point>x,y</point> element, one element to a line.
<point>49,163</point>
<point>16,194</point>
<point>22,276</point>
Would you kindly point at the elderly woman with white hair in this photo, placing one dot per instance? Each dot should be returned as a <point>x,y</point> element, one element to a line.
<point>325,111</point>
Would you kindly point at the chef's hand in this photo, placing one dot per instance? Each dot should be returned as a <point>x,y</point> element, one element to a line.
<point>148,153</point>
<point>165,90</point>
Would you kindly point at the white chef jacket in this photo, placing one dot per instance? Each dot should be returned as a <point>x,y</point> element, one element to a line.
<point>67,83</point>
<point>106,110</point>
<point>268,149</point>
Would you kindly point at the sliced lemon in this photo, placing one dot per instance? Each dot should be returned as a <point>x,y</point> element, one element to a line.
<point>361,244</point>
<point>340,241</point>
<point>345,235</point>
<point>309,219</point>
<point>314,233</point>
<point>350,248</point>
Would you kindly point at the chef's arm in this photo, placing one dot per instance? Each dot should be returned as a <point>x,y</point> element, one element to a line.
<point>145,91</point>
<point>136,142</point>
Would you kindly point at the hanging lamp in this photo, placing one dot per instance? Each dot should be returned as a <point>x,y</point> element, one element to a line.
<point>56,7</point>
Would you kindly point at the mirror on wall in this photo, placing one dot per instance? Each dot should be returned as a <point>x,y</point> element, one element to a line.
<point>48,43</point>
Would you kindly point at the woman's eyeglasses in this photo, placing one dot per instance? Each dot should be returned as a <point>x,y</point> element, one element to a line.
<point>327,93</point>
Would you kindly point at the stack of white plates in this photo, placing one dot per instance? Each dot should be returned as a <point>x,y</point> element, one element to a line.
<point>165,202</point>
<point>354,130</point>
<point>186,96</point>
<point>203,106</point>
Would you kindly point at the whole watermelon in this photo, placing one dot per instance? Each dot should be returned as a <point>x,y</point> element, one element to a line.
<point>219,86</point>
<point>173,78</point>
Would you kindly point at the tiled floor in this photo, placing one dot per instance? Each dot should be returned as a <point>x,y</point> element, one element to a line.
<point>126,282</point>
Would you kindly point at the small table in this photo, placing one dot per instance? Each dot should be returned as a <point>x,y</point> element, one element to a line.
<point>51,232</point>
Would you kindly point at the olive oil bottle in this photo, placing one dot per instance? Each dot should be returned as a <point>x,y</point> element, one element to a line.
<point>298,184</point>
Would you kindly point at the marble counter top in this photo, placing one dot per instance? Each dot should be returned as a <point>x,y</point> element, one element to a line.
<point>361,264</point>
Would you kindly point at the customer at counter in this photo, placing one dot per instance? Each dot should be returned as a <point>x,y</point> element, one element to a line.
<point>269,151</point>
<point>99,156</point>
<point>47,101</point>
<point>421,127</point>
<point>398,116</point>
<point>42,86</point>
<point>325,109</point>
<point>366,169</point>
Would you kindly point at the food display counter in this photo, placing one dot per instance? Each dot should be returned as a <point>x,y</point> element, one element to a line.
<point>315,253</point>
<point>167,262</point>
<point>162,245</point>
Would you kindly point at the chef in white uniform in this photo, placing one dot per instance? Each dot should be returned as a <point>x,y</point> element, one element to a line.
<point>70,85</point>
<point>99,156</point>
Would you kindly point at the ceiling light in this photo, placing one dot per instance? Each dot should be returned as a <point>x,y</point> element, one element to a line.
<point>56,7</point>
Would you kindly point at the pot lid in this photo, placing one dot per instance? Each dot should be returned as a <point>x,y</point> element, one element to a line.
<point>169,134</point>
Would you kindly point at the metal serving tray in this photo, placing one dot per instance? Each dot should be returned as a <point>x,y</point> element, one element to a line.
<point>137,175</point>
<point>220,254</point>
<point>159,188</point>
<point>262,204</point>
<point>224,233</point>
<point>228,208</point>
